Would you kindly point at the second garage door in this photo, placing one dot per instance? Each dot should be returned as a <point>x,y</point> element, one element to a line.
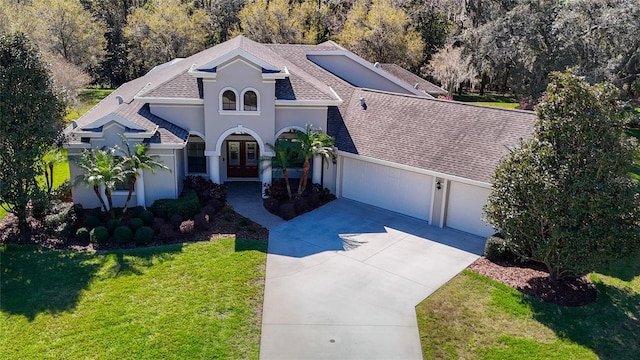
<point>391,188</point>
<point>464,208</point>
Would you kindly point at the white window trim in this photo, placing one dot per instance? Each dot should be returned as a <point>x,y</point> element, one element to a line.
<point>239,103</point>
<point>257,100</point>
<point>220,100</point>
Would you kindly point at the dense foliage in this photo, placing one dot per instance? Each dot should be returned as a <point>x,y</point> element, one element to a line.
<point>565,197</point>
<point>31,114</point>
<point>510,45</point>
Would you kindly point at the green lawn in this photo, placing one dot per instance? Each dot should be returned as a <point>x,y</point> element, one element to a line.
<point>87,98</point>
<point>473,317</point>
<point>188,301</point>
<point>488,100</point>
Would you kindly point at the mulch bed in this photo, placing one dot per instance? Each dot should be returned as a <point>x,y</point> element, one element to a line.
<point>532,279</point>
<point>224,224</point>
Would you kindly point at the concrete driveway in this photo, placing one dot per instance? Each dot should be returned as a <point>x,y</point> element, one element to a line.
<point>343,281</point>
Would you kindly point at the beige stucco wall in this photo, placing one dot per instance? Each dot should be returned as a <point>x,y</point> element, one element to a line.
<point>238,75</point>
<point>189,117</point>
<point>300,117</point>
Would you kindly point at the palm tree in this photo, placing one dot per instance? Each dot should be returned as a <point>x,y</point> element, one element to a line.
<point>313,142</point>
<point>51,158</point>
<point>102,167</point>
<point>285,152</point>
<point>134,161</point>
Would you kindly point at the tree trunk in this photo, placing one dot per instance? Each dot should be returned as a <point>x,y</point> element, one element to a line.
<point>483,83</point>
<point>132,186</point>
<point>107,193</point>
<point>96,189</point>
<point>50,182</point>
<point>285,173</point>
<point>303,180</point>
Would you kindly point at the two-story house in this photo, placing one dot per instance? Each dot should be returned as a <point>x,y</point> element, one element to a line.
<point>214,113</point>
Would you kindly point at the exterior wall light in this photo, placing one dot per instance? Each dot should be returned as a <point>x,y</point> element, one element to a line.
<point>438,185</point>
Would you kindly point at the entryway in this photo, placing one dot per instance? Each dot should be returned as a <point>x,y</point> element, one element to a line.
<point>243,158</point>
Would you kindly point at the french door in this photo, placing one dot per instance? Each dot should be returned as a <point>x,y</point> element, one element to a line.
<point>243,158</point>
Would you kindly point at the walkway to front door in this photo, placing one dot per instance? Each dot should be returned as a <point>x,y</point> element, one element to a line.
<point>246,199</point>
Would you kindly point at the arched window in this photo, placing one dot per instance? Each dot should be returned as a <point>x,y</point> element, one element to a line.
<point>250,101</point>
<point>229,100</point>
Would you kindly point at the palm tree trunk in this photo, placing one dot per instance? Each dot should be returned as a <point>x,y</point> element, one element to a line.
<point>303,180</point>
<point>285,173</point>
<point>132,186</point>
<point>50,182</point>
<point>107,193</point>
<point>96,189</point>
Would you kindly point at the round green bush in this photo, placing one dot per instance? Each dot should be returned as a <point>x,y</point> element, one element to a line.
<point>113,224</point>
<point>144,235</point>
<point>99,235</point>
<point>147,217</point>
<point>82,234</point>
<point>122,234</point>
<point>91,221</point>
<point>136,223</point>
<point>497,249</point>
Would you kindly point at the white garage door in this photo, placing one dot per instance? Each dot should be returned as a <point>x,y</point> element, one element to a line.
<point>390,188</point>
<point>464,209</point>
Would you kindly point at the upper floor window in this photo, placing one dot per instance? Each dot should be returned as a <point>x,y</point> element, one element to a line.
<point>229,100</point>
<point>250,101</point>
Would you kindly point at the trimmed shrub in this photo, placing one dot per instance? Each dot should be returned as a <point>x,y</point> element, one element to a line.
<point>205,188</point>
<point>314,200</point>
<point>201,221</point>
<point>113,224</point>
<point>91,221</point>
<point>156,224</point>
<point>272,205</point>
<point>216,204</point>
<point>64,232</point>
<point>187,227</point>
<point>209,210</point>
<point>99,235</point>
<point>497,249</point>
<point>136,223</point>
<point>301,205</point>
<point>186,206</point>
<point>166,232</point>
<point>144,235</point>
<point>122,234</point>
<point>135,211</point>
<point>175,221</point>
<point>60,213</point>
<point>82,234</point>
<point>146,216</point>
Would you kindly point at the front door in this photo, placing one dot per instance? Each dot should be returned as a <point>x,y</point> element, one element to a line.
<point>243,159</point>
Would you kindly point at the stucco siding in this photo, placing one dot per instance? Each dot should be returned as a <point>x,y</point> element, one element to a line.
<point>163,184</point>
<point>356,73</point>
<point>189,117</point>
<point>300,117</point>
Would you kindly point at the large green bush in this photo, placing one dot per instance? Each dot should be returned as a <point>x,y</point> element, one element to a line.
<point>82,234</point>
<point>186,206</point>
<point>99,235</point>
<point>122,234</point>
<point>144,235</point>
<point>136,223</point>
<point>113,224</point>
<point>147,217</point>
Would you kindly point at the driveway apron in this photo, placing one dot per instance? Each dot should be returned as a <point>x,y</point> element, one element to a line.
<point>343,281</point>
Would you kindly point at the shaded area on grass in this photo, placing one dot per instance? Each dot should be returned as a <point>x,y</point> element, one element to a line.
<point>473,316</point>
<point>38,281</point>
<point>192,300</point>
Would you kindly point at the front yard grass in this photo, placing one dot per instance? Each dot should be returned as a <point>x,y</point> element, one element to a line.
<point>186,301</point>
<point>474,317</point>
<point>489,100</point>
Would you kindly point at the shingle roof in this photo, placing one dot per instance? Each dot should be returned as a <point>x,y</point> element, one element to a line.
<point>412,79</point>
<point>449,137</point>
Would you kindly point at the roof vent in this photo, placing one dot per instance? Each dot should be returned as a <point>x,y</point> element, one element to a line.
<point>363,103</point>
<point>376,65</point>
<point>120,99</point>
<point>416,86</point>
<point>74,124</point>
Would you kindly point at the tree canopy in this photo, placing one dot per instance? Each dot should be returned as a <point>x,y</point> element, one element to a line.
<point>31,114</point>
<point>565,198</point>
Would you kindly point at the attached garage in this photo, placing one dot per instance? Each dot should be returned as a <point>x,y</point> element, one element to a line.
<point>464,208</point>
<point>389,187</point>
